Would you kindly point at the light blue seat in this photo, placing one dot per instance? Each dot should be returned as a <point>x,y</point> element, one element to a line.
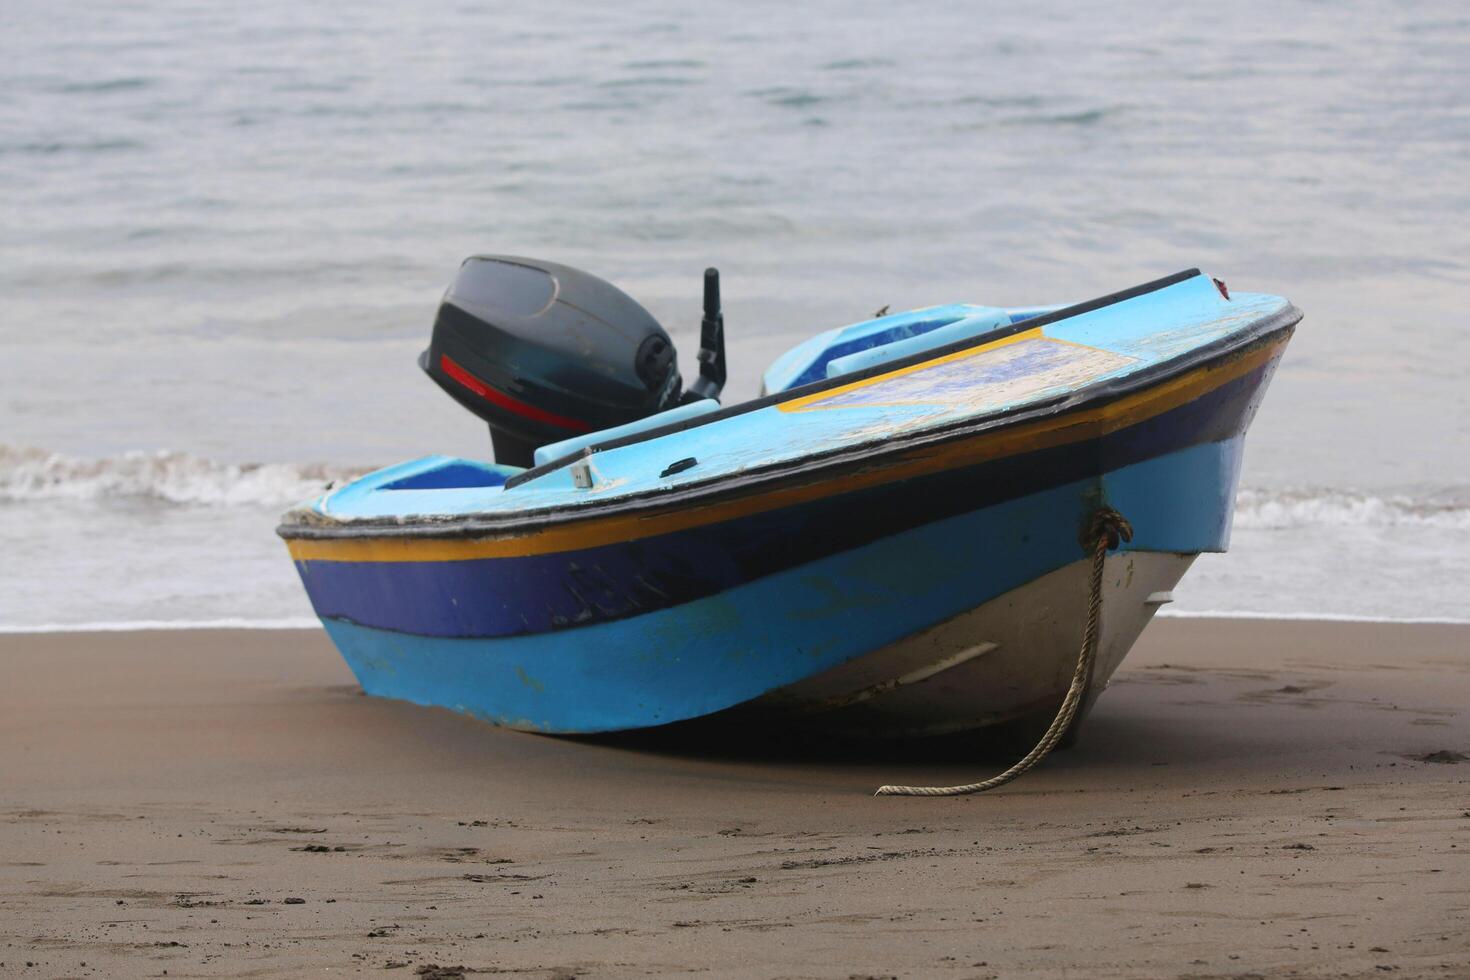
<point>971,326</point>
<point>886,339</point>
<point>567,447</point>
<point>807,361</point>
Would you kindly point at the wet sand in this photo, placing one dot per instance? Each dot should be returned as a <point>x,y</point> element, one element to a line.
<point>1248,799</point>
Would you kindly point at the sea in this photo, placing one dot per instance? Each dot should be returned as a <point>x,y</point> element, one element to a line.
<point>224,230</point>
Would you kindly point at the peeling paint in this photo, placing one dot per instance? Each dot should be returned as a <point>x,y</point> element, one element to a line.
<point>529,681</point>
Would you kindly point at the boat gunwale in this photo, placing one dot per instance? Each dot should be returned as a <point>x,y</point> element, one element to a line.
<point>876,370</point>
<point>826,465</point>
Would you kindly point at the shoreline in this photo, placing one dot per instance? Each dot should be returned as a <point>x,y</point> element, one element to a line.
<point>306,624</point>
<point>1269,797</point>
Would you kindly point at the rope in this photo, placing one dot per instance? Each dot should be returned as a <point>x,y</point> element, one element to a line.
<point>1105,531</point>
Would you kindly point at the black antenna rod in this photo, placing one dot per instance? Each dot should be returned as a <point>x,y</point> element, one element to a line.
<point>711,341</point>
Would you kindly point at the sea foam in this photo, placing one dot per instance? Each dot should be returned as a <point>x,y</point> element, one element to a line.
<point>1257,509</point>
<point>31,474</point>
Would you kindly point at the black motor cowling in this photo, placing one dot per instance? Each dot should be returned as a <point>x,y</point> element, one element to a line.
<point>543,352</point>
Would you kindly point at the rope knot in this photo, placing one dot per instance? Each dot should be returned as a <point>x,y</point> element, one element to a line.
<point>1108,522</point>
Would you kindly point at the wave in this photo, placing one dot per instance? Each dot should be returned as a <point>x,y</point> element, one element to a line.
<point>28,473</point>
<point>1314,507</point>
<point>35,474</point>
<point>103,85</point>
<point>54,147</point>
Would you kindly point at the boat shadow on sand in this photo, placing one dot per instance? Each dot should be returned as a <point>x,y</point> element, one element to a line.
<point>741,736</point>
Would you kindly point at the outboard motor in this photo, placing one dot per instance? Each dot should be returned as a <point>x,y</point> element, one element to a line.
<point>542,352</point>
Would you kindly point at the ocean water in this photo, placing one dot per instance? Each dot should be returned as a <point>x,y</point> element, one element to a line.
<point>225,231</point>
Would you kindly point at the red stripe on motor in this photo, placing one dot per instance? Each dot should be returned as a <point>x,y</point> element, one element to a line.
<point>506,402</point>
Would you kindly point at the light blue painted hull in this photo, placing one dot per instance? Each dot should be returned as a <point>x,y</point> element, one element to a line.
<point>723,650</point>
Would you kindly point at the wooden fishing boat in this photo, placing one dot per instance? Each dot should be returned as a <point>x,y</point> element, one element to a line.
<point>891,540</point>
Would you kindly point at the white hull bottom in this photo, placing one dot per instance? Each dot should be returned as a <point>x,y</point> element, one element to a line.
<point>1009,659</point>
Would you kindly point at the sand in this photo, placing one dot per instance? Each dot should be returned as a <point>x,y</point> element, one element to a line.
<point>1248,799</point>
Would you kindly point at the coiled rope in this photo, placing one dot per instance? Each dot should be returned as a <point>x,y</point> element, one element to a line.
<point>1104,532</point>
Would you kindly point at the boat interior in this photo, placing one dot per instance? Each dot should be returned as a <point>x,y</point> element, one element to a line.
<point>855,386</point>
<point>831,354</point>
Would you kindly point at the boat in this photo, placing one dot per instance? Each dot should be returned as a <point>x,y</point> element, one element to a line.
<point>890,541</point>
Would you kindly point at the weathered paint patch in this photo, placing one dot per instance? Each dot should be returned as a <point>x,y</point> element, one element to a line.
<point>987,380</point>
<point>529,681</point>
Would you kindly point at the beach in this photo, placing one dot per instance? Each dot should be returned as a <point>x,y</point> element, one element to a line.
<point>230,230</point>
<point>1249,798</point>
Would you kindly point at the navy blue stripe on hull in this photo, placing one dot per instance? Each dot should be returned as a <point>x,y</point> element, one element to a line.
<point>495,597</point>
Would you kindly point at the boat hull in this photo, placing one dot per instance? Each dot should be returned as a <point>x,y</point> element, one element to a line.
<point>702,656</point>
<point>577,574</point>
<point>1009,659</point>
